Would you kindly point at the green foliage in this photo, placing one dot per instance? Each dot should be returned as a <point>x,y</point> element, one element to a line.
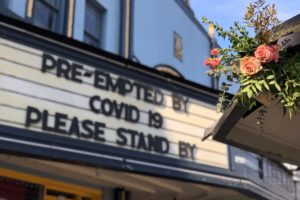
<point>262,18</point>
<point>281,79</point>
<point>238,36</point>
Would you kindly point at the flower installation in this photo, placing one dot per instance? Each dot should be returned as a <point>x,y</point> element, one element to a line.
<point>263,70</point>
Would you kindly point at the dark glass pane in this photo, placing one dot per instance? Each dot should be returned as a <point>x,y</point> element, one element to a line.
<point>4,3</point>
<point>51,2</point>
<point>92,21</point>
<point>11,189</point>
<point>43,15</point>
<point>90,40</point>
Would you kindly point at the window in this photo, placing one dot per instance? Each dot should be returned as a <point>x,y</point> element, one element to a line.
<point>49,14</point>
<point>4,3</point>
<point>93,22</point>
<point>178,46</point>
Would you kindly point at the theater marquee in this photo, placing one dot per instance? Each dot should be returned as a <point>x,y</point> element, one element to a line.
<point>53,94</point>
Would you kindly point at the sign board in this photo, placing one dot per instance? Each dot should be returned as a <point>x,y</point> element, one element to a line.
<point>49,93</point>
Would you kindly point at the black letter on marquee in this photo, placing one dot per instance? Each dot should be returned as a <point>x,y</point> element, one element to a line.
<point>164,143</point>
<point>60,122</point>
<point>99,132</point>
<point>86,125</point>
<point>186,149</point>
<point>74,127</point>
<point>155,120</point>
<point>33,115</point>
<point>63,68</point>
<point>45,122</point>
<point>122,140</point>
<point>127,86</point>
<point>182,148</point>
<point>158,97</point>
<point>132,114</point>
<point>141,144</point>
<point>46,65</point>
<point>180,103</point>
<point>100,80</point>
<point>107,107</point>
<point>77,72</point>
<point>92,104</point>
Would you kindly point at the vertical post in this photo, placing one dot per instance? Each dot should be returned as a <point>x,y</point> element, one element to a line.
<point>121,194</point>
<point>211,33</point>
<point>126,28</point>
<point>70,18</point>
<point>29,8</point>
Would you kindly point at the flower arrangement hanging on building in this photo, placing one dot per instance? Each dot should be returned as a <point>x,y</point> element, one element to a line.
<point>263,70</point>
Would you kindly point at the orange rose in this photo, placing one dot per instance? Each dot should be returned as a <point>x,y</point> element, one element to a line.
<point>276,50</point>
<point>250,65</point>
<point>264,53</point>
<point>214,52</point>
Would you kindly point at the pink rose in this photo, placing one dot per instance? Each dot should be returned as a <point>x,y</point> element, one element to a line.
<point>207,61</point>
<point>264,53</point>
<point>250,65</point>
<point>214,51</point>
<point>276,50</point>
<point>215,62</point>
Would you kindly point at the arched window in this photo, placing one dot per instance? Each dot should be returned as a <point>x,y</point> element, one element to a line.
<point>166,69</point>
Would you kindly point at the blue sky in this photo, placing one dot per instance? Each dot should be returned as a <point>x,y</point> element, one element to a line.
<point>225,12</point>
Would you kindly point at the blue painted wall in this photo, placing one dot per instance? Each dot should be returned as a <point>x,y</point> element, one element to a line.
<point>154,25</point>
<point>155,22</point>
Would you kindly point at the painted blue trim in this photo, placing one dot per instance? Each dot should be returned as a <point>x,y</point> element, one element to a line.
<point>122,28</point>
<point>131,28</point>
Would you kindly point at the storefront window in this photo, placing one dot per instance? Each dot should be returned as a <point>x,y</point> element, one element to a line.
<point>11,189</point>
<point>92,27</point>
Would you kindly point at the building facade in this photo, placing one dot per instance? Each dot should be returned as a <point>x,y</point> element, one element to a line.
<point>78,122</point>
<point>128,29</point>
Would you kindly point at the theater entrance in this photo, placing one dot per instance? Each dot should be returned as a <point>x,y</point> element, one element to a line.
<point>21,186</point>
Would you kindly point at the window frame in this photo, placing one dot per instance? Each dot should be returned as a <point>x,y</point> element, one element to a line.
<point>60,11</point>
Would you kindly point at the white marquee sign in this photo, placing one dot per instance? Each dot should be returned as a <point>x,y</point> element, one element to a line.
<point>49,94</point>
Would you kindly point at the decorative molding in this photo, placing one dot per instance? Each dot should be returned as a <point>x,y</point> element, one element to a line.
<point>178,46</point>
